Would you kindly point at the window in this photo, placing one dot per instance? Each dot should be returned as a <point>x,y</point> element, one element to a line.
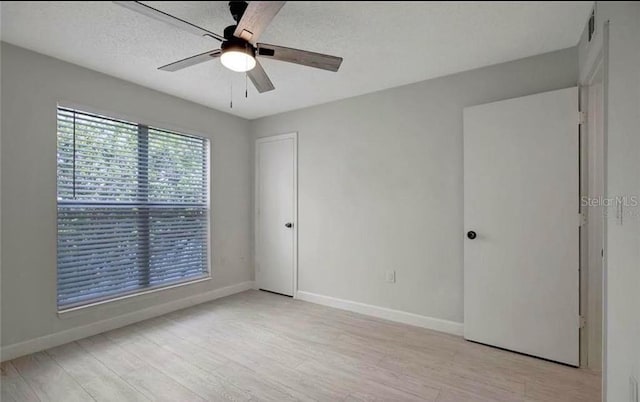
<point>132,208</point>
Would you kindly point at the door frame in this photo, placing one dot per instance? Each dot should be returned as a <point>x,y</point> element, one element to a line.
<point>596,59</point>
<point>593,152</point>
<point>256,197</point>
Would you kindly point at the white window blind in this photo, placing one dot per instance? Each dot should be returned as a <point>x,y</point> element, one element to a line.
<point>132,208</point>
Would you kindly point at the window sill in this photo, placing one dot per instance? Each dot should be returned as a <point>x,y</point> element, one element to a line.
<point>74,311</point>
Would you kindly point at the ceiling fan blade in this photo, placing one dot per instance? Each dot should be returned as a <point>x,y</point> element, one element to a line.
<point>191,61</point>
<point>168,18</point>
<point>297,56</point>
<point>256,18</point>
<point>260,78</point>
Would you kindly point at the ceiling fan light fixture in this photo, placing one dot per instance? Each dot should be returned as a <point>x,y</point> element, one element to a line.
<point>239,57</point>
<point>240,41</point>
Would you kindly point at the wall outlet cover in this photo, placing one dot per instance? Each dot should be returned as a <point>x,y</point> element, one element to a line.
<point>390,276</point>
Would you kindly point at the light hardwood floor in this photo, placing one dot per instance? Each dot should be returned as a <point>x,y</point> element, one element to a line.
<point>260,346</point>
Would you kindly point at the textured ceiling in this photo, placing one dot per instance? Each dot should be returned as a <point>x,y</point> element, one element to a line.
<point>384,44</point>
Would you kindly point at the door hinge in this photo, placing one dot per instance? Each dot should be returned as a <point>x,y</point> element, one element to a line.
<point>582,322</point>
<point>582,219</point>
<point>582,117</point>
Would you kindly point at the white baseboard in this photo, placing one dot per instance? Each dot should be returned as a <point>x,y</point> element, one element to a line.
<point>60,338</point>
<point>436,324</point>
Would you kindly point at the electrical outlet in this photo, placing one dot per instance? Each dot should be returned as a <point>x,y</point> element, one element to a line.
<point>390,276</point>
<point>633,389</point>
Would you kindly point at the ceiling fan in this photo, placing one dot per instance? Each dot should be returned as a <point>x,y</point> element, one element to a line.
<point>240,48</point>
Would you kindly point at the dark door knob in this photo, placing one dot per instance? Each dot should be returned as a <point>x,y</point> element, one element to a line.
<point>288,224</point>
<point>471,234</point>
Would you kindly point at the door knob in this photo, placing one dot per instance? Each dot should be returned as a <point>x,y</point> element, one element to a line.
<point>471,235</point>
<point>288,224</point>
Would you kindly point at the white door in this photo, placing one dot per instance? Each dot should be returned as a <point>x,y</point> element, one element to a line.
<point>521,199</point>
<point>276,213</point>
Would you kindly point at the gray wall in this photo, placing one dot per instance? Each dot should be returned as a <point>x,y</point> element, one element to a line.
<point>622,239</point>
<point>32,84</point>
<point>380,184</point>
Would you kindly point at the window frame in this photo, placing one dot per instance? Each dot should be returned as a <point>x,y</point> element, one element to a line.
<point>207,276</point>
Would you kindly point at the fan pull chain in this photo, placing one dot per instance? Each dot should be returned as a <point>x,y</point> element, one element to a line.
<point>231,95</point>
<point>246,85</point>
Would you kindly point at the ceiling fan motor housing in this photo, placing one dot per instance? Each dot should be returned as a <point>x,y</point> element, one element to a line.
<point>237,9</point>
<point>239,45</point>
<point>229,31</point>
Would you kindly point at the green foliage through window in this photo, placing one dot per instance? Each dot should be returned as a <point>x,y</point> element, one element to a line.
<point>132,207</point>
